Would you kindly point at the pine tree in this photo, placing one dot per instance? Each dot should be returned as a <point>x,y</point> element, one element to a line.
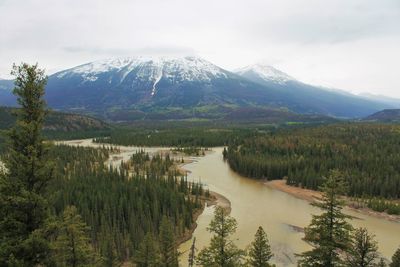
<point>109,252</point>
<point>72,245</point>
<point>260,250</point>
<point>328,233</point>
<point>222,252</point>
<point>381,263</point>
<point>364,249</point>
<point>23,206</point>
<point>148,253</point>
<point>168,246</point>
<point>396,259</point>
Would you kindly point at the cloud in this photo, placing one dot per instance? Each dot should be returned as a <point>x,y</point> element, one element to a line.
<point>148,50</point>
<point>318,41</point>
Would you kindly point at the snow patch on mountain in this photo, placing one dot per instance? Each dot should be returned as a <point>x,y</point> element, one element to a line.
<point>266,73</point>
<point>153,90</point>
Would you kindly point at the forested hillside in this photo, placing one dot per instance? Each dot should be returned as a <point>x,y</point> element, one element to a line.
<point>368,155</point>
<point>56,121</point>
<point>57,125</point>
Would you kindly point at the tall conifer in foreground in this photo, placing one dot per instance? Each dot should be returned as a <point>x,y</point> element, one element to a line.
<point>328,233</point>
<point>72,245</point>
<point>260,250</point>
<point>23,207</point>
<point>364,249</point>
<point>222,252</point>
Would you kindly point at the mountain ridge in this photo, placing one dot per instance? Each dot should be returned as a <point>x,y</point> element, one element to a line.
<point>160,84</point>
<point>386,115</point>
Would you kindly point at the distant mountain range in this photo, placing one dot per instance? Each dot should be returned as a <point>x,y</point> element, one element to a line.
<point>187,87</point>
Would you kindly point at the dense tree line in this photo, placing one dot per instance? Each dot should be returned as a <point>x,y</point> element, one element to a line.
<point>366,153</point>
<point>178,137</point>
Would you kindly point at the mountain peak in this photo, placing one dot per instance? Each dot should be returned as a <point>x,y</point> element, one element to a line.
<point>265,72</point>
<point>153,68</point>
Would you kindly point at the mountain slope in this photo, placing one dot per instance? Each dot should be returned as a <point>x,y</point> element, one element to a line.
<point>56,121</point>
<point>308,98</point>
<point>6,96</point>
<point>386,115</point>
<point>185,87</point>
<point>395,102</point>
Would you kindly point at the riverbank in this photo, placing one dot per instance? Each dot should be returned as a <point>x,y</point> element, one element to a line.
<point>312,196</point>
<point>213,199</point>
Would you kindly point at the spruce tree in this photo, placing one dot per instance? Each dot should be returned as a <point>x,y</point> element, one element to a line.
<point>396,259</point>
<point>222,252</point>
<point>364,249</point>
<point>72,246</point>
<point>23,206</point>
<point>381,263</point>
<point>260,250</point>
<point>328,233</point>
<point>168,246</point>
<point>148,253</point>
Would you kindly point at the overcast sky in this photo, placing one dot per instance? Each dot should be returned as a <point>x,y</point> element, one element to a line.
<point>348,44</point>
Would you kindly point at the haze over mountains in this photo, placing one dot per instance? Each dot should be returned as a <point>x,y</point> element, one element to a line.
<point>188,86</point>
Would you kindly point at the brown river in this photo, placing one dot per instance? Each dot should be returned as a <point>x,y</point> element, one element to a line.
<point>254,204</point>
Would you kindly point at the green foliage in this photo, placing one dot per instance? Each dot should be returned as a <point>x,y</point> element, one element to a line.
<point>381,205</point>
<point>58,125</point>
<point>148,254</point>
<point>177,136</point>
<point>260,250</point>
<point>395,259</point>
<point>328,233</point>
<point>168,245</point>
<point>23,206</point>
<point>222,251</point>
<point>366,153</point>
<point>363,251</point>
<point>122,204</point>
<point>72,245</point>
<point>381,263</point>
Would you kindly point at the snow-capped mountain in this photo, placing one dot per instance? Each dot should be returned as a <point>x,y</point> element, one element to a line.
<point>148,69</point>
<point>188,85</point>
<point>264,72</point>
<point>147,81</point>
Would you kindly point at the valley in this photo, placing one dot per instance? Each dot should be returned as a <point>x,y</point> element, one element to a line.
<point>139,193</point>
<point>246,133</point>
<point>253,204</point>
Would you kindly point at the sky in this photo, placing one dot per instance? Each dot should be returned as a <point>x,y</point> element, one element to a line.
<point>352,45</point>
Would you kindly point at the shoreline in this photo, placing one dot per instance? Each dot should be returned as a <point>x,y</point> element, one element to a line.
<point>215,199</point>
<point>312,195</point>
